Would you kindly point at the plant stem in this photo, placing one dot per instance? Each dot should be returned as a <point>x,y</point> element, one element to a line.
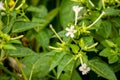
<point>56,33</point>
<point>91,3</point>
<point>96,20</point>
<point>103,4</point>
<point>19,65</point>
<point>23,1</point>
<point>7,71</point>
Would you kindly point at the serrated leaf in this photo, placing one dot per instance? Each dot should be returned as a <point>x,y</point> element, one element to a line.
<point>20,52</point>
<point>102,69</point>
<point>67,59</point>
<point>56,59</point>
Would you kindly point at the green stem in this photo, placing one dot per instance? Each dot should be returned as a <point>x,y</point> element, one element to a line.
<point>19,65</point>
<point>7,71</point>
<point>81,60</point>
<point>31,72</point>
<point>96,20</point>
<point>103,4</point>
<point>18,37</point>
<point>23,1</point>
<point>14,5</point>
<point>56,33</point>
<point>91,3</point>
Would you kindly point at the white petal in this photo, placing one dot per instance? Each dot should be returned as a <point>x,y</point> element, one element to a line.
<point>67,29</point>
<point>71,27</point>
<point>74,31</point>
<point>71,35</point>
<point>67,34</point>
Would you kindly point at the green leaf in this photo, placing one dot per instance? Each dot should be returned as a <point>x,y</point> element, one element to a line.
<point>106,52</point>
<point>111,12</point>
<point>21,26</point>
<point>67,59</point>
<point>74,48</point>
<point>49,17</point>
<point>102,69</point>
<point>43,37</point>
<point>56,59</point>
<point>76,76</point>
<point>110,54</point>
<point>113,58</point>
<point>8,46</point>
<point>68,71</point>
<point>66,12</point>
<point>105,29</point>
<point>37,64</point>
<point>108,43</point>
<point>20,52</point>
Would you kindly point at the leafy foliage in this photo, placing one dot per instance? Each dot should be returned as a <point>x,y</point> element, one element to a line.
<point>59,39</point>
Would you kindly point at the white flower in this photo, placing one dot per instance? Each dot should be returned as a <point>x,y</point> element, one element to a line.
<point>2,6</point>
<point>76,9</point>
<point>71,31</point>
<point>84,68</point>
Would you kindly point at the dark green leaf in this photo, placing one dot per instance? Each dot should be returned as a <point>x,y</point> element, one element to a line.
<point>20,52</point>
<point>111,11</point>
<point>37,64</point>
<point>105,29</point>
<point>66,13</point>
<point>67,59</point>
<point>56,59</point>
<point>21,26</point>
<point>102,69</point>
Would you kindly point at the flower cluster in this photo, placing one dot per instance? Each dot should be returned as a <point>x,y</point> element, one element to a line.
<point>84,69</point>
<point>71,30</point>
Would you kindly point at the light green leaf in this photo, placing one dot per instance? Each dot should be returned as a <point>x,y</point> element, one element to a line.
<point>74,48</point>
<point>110,54</point>
<point>108,43</point>
<point>102,69</point>
<point>113,58</point>
<point>106,52</point>
<point>8,46</point>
